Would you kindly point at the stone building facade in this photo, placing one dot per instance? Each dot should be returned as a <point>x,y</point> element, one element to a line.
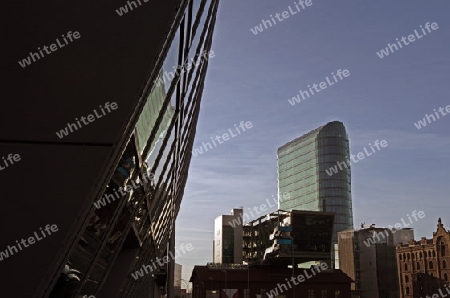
<point>424,265</point>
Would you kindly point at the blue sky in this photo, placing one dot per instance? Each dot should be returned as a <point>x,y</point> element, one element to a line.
<point>252,77</point>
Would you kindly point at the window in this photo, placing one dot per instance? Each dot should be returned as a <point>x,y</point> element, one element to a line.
<point>434,253</point>
<point>246,293</point>
<point>430,265</point>
<point>400,257</point>
<point>442,249</point>
<point>407,290</point>
<point>418,266</point>
<point>444,264</point>
<point>406,267</point>
<point>337,294</point>
<point>311,294</point>
<point>445,277</point>
<point>406,278</point>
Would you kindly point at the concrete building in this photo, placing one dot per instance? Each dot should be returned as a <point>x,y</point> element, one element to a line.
<point>424,265</point>
<point>105,142</point>
<point>304,171</point>
<point>227,244</point>
<point>268,281</point>
<point>368,257</point>
<point>286,237</point>
<point>402,236</point>
<point>177,280</point>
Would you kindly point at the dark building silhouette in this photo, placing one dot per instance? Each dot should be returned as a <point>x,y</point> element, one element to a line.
<point>268,281</point>
<point>111,182</point>
<point>286,237</point>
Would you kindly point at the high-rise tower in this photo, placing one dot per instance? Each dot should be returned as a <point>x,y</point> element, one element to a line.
<point>301,173</point>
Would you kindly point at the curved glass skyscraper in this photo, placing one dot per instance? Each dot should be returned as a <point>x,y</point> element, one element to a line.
<point>302,165</point>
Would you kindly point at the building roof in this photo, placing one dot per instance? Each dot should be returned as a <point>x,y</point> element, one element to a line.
<point>440,233</point>
<point>314,131</point>
<point>266,273</point>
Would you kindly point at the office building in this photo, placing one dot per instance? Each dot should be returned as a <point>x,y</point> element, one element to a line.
<point>302,172</point>
<point>285,237</point>
<point>368,257</point>
<point>111,189</point>
<point>227,244</point>
<point>424,265</point>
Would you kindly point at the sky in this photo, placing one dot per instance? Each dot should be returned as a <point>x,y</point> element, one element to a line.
<point>252,77</point>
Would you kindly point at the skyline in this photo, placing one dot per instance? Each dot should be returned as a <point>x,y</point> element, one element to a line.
<point>171,124</point>
<point>252,77</point>
<point>420,230</point>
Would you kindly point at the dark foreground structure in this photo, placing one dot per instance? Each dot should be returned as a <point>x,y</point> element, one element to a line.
<point>268,281</point>
<point>99,129</point>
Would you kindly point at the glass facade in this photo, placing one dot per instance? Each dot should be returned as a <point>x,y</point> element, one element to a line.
<point>133,222</point>
<point>302,165</point>
<point>227,245</point>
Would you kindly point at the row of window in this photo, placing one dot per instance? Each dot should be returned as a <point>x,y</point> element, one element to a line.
<point>310,159</point>
<point>430,265</point>
<point>332,141</point>
<point>434,289</point>
<point>301,156</point>
<point>430,253</point>
<point>431,277</point>
<point>298,181</point>
<point>293,150</point>
<point>323,294</point>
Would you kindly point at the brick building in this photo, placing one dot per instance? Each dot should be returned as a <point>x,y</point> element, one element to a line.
<point>424,266</point>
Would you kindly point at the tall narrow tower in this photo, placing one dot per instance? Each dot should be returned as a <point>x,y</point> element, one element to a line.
<point>227,243</point>
<point>301,173</point>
